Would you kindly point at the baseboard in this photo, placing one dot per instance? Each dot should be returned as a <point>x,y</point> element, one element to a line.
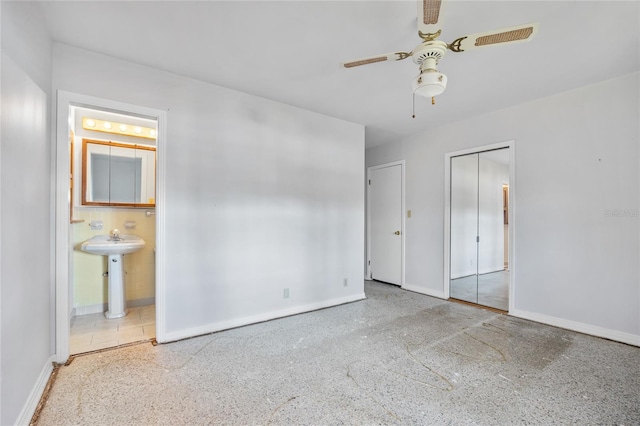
<point>618,336</point>
<point>485,272</point>
<point>422,290</point>
<point>103,307</point>
<point>492,271</point>
<point>29,408</point>
<point>463,274</point>
<point>89,309</point>
<point>239,322</point>
<point>141,302</point>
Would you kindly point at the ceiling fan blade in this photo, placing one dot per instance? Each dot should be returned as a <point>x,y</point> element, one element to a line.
<point>429,18</point>
<point>505,35</point>
<point>396,56</point>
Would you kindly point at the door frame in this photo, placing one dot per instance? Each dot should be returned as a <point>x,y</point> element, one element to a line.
<point>511,144</point>
<point>62,231</point>
<point>370,169</point>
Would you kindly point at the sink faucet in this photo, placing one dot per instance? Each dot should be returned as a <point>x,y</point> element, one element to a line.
<point>115,235</point>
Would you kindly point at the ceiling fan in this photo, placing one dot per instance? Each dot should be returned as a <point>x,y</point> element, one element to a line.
<point>430,82</point>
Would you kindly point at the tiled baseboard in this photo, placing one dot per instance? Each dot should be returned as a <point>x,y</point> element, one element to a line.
<point>102,307</point>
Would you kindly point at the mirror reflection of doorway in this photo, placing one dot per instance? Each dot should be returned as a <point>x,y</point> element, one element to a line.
<point>480,228</point>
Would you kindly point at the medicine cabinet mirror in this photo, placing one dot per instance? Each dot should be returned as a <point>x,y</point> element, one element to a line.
<point>118,174</point>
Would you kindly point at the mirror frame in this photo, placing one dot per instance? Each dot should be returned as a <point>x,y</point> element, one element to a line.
<point>86,202</point>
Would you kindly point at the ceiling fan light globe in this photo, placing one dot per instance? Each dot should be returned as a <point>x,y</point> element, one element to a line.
<point>429,84</point>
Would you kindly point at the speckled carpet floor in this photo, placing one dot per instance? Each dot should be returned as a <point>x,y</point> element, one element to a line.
<point>395,358</point>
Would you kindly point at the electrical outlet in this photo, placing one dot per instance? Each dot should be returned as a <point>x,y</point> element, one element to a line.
<point>285,293</point>
<point>345,282</point>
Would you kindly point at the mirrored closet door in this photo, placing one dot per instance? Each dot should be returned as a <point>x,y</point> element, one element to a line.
<point>480,228</point>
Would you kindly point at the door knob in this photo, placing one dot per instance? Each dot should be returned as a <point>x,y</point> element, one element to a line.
<point>397,233</point>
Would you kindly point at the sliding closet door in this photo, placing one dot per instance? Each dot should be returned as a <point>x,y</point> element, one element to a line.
<point>464,228</point>
<point>479,222</point>
<point>493,278</point>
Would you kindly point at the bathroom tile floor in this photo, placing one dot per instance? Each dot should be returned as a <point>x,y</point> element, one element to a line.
<point>93,332</point>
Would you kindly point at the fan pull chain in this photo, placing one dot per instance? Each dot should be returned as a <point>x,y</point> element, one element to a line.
<point>414,106</point>
<point>433,102</point>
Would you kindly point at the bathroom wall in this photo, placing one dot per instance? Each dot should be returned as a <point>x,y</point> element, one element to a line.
<point>26,255</point>
<point>89,285</point>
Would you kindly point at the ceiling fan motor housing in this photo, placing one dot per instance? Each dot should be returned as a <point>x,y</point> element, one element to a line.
<point>429,53</point>
<point>430,82</point>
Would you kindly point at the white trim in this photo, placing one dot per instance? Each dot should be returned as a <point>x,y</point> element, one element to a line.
<point>511,144</point>
<point>30,406</point>
<point>427,292</point>
<point>447,225</point>
<point>239,322</point>
<point>400,163</point>
<point>618,336</point>
<point>63,245</point>
<point>50,265</point>
<point>160,249</point>
<point>512,225</point>
<point>62,234</point>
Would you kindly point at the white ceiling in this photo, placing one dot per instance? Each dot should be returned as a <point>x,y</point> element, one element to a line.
<point>291,51</point>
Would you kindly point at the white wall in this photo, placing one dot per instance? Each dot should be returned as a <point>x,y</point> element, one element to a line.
<point>260,196</point>
<point>25,211</point>
<point>577,162</point>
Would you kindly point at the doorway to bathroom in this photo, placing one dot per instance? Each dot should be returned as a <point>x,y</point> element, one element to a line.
<point>112,187</point>
<point>479,226</point>
<point>113,182</point>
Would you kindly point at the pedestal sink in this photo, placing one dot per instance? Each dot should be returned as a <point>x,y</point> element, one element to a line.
<point>114,246</point>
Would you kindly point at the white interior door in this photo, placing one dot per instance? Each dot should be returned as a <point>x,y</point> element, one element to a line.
<point>385,222</point>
